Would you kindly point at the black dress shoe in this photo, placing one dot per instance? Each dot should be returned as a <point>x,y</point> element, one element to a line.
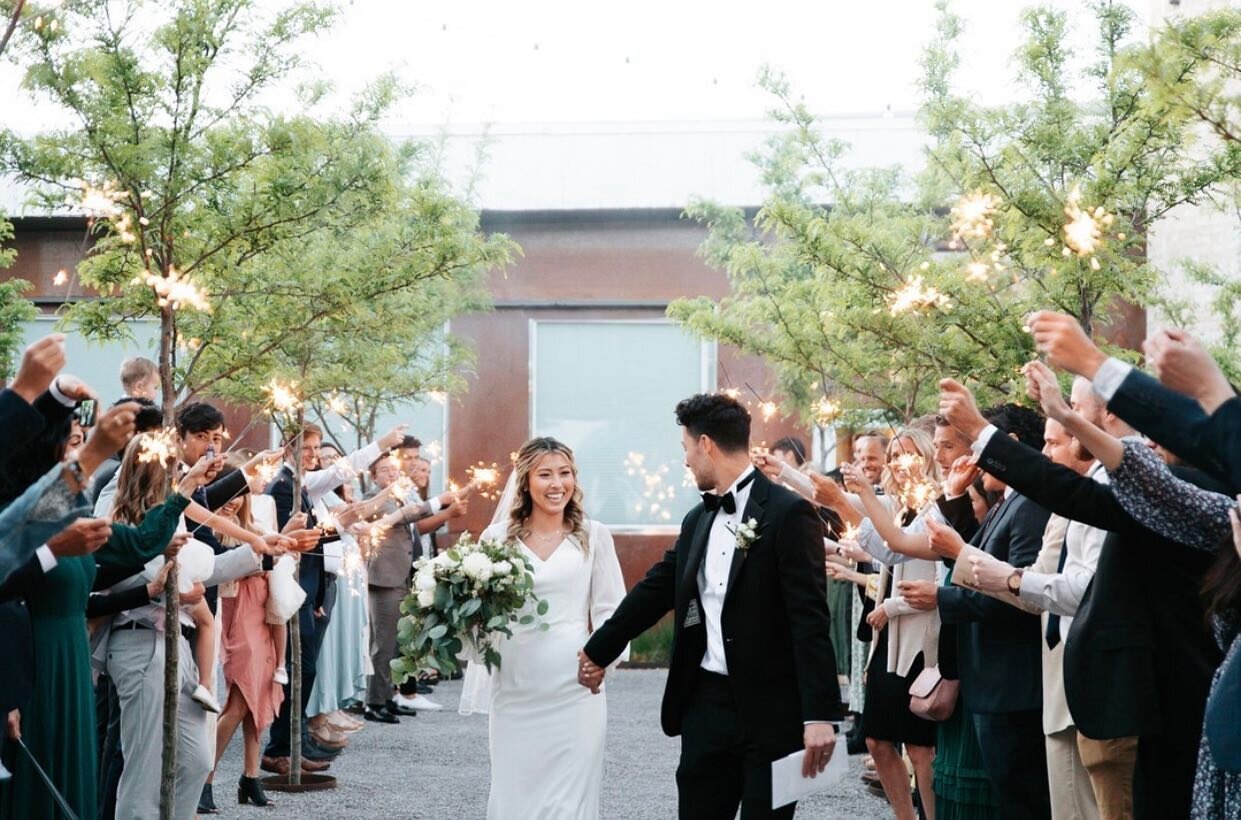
<point>250,790</point>
<point>393,708</point>
<point>206,801</point>
<point>380,715</point>
<point>424,688</point>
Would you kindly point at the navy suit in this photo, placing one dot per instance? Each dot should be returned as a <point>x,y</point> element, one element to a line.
<point>999,653</point>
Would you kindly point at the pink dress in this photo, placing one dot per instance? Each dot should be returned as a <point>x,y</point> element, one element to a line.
<point>248,651</point>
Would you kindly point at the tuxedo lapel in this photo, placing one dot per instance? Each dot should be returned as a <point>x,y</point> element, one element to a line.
<point>1004,509</point>
<point>697,546</point>
<point>753,509</point>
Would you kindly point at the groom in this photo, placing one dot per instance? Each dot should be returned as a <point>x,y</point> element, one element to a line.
<point>752,677</point>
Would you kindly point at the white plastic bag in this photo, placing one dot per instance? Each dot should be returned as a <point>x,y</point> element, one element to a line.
<point>284,595</point>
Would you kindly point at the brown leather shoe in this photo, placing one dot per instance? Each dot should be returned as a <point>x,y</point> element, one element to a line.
<point>329,740</point>
<point>280,765</point>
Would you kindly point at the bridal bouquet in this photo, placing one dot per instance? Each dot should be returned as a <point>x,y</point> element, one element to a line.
<point>460,600</point>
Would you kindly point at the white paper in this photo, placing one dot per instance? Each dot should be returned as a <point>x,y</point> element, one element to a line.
<point>787,783</point>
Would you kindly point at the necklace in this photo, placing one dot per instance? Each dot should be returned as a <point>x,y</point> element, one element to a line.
<point>561,533</point>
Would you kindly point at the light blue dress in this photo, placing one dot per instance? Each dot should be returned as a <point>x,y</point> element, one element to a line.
<point>344,661</point>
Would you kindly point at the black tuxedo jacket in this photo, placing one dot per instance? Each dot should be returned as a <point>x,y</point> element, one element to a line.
<point>775,621</point>
<point>310,571</point>
<point>1138,646</point>
<point>1211,443</point>
<point>999,654</point>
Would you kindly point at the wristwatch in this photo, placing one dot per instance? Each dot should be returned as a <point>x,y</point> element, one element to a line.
<point>1014,581</point>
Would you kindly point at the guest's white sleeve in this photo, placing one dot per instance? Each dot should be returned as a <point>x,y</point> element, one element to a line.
<point>321,481</point>
<point>797,481</point>
<point>234,564</point>
<point>896,606</point>
<point>607,584</point>
<point>984,437</point>
<point>1061,593</point>
<point>869,539</point>
<point>1108,378</point>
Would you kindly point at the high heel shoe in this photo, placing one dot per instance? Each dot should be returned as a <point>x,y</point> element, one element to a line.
<point>250,790</point>
<point>206,801</point>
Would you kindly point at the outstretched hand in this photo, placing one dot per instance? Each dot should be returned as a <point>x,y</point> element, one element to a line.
<point>957,405</point>
<point>944,540</point>
<point>1061,338</point>
<point>1181,364</point>
<point>589,674</point>
<point>964,470</point>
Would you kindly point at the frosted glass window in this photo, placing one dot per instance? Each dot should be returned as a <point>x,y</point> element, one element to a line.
<point>97,363</point>
<point>608,390</point>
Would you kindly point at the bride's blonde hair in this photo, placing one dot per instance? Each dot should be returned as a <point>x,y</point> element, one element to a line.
<point>530,454</point>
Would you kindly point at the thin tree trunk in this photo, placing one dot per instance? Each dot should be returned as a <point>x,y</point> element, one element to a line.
<point>295,628</point>
<point>172,600</point>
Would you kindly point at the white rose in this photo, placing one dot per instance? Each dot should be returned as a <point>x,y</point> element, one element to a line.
<point>501,568</point>
<point>426,598</point>
<point>442,560</point>
<point>424,581</point>
<point>477,566</point>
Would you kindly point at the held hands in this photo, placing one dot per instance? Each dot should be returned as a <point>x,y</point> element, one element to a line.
<point>957,405</point>
<point>1061,338</point>
<point>82,537</point>
<point>945,541</point>
<point>40,364</point>
<point>589,674</point>
<point>1041,385</point>
<point>820,739</point>
<point>922,595</point>
<point>1181,364</point>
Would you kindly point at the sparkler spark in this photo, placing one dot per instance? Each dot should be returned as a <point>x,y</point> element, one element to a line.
<point>158,447</point>
<point>1083,233</point>
<point>768,409</point>
<point>916,295</point>
<point>485,477</point>
<point>826,412</point>
<point>977,271</point>
<point>60,278</point>
<point>971,216</point>
<point>283,397</point>
<point>98,201</point>
<point>176,290</point>
<point>266,471</point>
<point>438,396</point>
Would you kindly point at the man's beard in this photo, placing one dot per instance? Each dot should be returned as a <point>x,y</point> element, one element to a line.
<point>1081,452</point>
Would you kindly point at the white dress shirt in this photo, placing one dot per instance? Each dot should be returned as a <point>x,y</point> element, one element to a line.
<point>713,574</point>
<point>1108,378</point>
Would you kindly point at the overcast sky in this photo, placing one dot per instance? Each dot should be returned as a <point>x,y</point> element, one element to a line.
<point>540,61</point>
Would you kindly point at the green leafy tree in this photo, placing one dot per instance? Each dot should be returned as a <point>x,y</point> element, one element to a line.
<point>867,286</point>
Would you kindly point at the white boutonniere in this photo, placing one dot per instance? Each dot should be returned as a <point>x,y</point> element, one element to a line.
<point>746,534</point>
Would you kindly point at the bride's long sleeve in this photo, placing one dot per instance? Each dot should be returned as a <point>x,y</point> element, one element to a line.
<point>607,584</point>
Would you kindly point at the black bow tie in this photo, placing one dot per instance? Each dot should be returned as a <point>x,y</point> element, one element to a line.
<point>726,502</point>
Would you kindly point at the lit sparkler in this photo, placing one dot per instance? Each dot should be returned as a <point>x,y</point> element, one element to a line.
<point>971,216</point>
<point>826,412</point>
<point>60,278</point>
<point>176,290</point>
<point>485,478</point>
<point>283,397</point>
<point>266,471</point>
<point>98,201</point>
<point>158,447</point>
<point>1083,233</point>
<point>768,409</point>
<point>915,295</point>
<point>977,271</point>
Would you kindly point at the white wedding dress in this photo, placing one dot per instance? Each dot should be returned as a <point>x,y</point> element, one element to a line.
<point>547,731</point>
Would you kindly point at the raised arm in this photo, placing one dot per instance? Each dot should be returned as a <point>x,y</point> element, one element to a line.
<point>1174,508</point>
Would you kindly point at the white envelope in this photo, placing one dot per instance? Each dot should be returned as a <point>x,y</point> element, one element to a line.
<point>787,783</point>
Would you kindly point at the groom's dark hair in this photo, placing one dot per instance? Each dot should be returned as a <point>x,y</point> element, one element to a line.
<point>718,416</point>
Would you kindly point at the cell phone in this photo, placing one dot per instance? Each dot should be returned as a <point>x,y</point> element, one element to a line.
<point>210,451</point>
<point>86,412</point>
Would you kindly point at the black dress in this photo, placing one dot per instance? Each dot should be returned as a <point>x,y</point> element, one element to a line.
<point>886,714</point>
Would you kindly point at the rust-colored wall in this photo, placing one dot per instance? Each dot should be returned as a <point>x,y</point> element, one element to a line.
<point>621,269</point>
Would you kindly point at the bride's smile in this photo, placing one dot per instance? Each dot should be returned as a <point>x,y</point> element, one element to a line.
<point>552,484</point>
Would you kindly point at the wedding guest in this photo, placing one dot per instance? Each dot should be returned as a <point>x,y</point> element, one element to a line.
<point>870,454</point>
<point>252,651</point>
<point>1129,690</point>
<point>790,450</point>
<point>998,645</point>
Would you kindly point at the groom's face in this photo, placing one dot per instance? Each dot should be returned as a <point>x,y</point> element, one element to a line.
<point>698,460</point>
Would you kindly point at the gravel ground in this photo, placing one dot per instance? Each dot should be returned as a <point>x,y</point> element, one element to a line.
<point>435,766</point>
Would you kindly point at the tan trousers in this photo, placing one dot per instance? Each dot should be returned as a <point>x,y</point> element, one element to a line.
<point>1110,764</point>
<point>1072,796</point>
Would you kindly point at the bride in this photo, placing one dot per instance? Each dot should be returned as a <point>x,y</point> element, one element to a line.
<point>546,730</point>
